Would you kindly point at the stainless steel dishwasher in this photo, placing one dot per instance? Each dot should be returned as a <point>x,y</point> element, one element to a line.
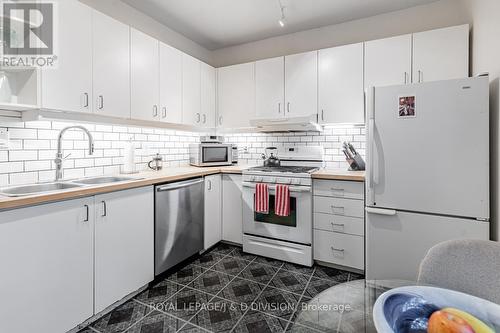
<point>179,218</point>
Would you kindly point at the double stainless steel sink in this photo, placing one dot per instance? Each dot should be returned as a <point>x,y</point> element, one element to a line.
<point>42,188</point>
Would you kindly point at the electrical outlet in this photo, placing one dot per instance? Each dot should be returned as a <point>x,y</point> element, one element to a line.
<point>4,139</point>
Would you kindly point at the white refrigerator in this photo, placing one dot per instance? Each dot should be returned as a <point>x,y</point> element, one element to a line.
<point>427,171</point>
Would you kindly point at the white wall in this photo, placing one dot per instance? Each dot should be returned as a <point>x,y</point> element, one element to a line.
<point>486,58</point>
<point>129,15</point>
<point>426,17</point>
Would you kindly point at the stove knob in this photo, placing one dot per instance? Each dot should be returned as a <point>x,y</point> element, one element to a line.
<point>259,179</point>
<point>296,182</point>
<point>252,178</point>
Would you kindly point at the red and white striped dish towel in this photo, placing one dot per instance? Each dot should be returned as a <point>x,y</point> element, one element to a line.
<point>282,201</point>
<point>262,198</point>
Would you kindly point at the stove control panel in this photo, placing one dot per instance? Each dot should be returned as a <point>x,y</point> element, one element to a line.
<point>278,180</point>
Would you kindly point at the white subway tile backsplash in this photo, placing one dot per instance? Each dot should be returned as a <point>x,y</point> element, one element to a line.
<point>23,155</point>
<point>37,165</point>
<point>23,178</point>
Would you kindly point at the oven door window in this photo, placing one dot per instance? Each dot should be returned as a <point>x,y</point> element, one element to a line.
<point>215,154</point>
<point>272,218</point>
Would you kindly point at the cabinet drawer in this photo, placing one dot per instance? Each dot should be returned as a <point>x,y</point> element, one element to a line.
<point>339,189</point>
<point>339,249</point>
<point>338,206</point>
<point>338,223</point>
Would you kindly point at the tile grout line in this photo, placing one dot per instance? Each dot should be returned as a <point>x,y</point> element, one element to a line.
<point>300,299</point>
<point>262,291</point>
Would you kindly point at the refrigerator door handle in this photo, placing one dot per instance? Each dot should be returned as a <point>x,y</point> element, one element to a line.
<point>370,103</point>
<point>380,211</point>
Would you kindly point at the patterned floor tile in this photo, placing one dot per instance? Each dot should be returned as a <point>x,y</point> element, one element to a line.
<point>159,292</point>
<point>331,273</point>
<point>238,253</point>
<point>187,274</point>
<point>241,291</point>
<point>208,259</point>
<point>122,317</point>
<point>185,303</point>
<point>276,302</point>
<point>157,322</point>
<point>258,272</point>
<point>257,322</point>
<point>317,286</point>
<point>211,282</point>
<point>302,304</point>
<point>192,329</point>
<point>219,316</point>
<point>298,328</point>
<point>298,268</point>
<point>269,261</point>
<point>355,276</point>
<point>88,330</point>
<point>224,248</point>
<point>231,265</point>
<point>292,282</point>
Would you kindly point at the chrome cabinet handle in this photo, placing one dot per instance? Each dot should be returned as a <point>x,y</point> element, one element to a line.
<point>85,100</point>
<point>341,190</point>
<point>100,102</point>
<point>338,208</point>
<point>164,112</point>
<point>204,118</point>
<point>337,225</point>
<point>209,185</point>
<point>220,120</point>
<point>323,115</point>
<point>288,107</point>
<point>420,76</point>
<point>198,117</point>
<point>279,107</point>
<point>337,250</point>
<point>104,209</point>
<point>155,110</point>
<point>86,213</point>
<point>406,78</point>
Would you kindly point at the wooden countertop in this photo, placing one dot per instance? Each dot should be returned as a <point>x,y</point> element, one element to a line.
<point>152,178</point>
<point>339,174</point>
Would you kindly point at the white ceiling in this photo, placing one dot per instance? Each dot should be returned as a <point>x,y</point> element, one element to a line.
<point>216,24</point>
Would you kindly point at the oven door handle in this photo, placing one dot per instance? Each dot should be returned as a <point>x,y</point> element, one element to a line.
<point>293,189</point>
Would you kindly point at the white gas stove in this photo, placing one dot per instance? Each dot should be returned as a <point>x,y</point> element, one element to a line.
<point>287,238</point>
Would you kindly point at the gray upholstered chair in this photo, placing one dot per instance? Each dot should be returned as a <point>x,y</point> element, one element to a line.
<point>469,266</point>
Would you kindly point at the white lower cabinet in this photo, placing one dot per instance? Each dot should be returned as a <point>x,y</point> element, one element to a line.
<point>46,267</point>
<point>124,244</point>
<point>57,260</point>
<point>232,209</point>
<point>213,210</point>
<point>338,223</point>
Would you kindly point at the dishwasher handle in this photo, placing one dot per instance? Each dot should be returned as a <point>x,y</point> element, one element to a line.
<point>175,186</point>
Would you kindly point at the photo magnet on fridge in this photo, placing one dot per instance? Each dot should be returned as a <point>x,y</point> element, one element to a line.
<point>406,107</point>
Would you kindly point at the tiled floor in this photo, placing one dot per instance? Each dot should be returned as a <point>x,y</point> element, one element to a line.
<point>224,290</point>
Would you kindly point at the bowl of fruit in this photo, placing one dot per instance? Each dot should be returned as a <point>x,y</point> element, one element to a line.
<point>422,309</point>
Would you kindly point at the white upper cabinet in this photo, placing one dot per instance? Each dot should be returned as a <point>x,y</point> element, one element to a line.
<point>124,244</point>
<point>191,90</point>
<point>144,57</point>
<point>170,84</point>
<point>301,84</point>
<point>341,97</point>
<point>111,66</point>
<point>270,88</point>
<point>388,61</point>
<point>236,95</point>
<point>68,87</point>
<point>208,87</point>
<point>441,54</point>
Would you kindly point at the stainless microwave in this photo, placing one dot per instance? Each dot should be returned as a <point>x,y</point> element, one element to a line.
<point>210,154</point>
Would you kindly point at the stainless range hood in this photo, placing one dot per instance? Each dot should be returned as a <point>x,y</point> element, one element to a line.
<point>296,124</point>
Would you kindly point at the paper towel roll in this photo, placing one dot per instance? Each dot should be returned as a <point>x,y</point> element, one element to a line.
<point>129,157</point>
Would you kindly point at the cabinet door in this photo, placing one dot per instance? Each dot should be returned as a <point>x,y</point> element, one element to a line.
<point>111,66</point>
<point>388,61</point>
<point>341,85</point>
<point>236,95</point>
<point>232,209</point>
<point>124,243</point>
<point>191,90</point>
<point>46,267</point>
<point>144,77</point>
<point>170,84</point>
<point>208,86</point>
<point>441,54</point>
<point>213,214</point>
<point>270,88</point>
<point>68,87</point>
<point>301,84</point>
